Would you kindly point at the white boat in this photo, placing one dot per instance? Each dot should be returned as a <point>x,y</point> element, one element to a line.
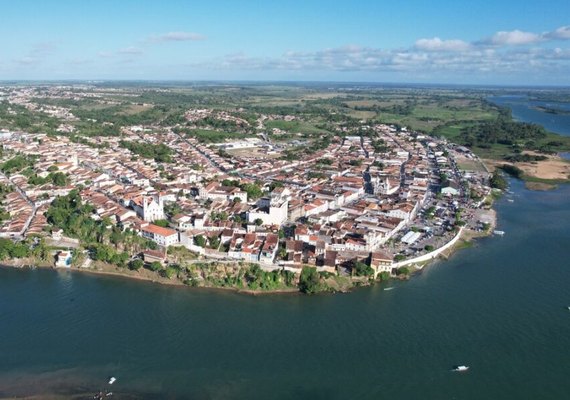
<point>500,233</point>
<point>390,288</point>
<point>510,200</point>
<point>112,380</point>
<point>460,368</point>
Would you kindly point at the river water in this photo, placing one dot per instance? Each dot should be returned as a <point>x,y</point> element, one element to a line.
<point>525,110</point>
<point>499,307</point>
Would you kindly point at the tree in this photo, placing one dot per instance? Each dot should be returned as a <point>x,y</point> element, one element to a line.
<point>20,251</point>
<point>309,282</point>
<point>136,264</point>
<point>497,181</point>
<point>199,240</point>
<point>120,259</point>
<point>169,272</point>
<point>258,221</point>
<point>253,191</point>
<point>116,236</point>
<point>214,242</point>
<point>384,276</point>
<point>103,253</point>
<point>59,179</point>
<point>155,266</point>
<point>362,269</point>
<point>403,271</point>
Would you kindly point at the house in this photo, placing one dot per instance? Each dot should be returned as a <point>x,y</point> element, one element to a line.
<point>269,248</point>
<point>452,189</point>
<point>380,262</point>
<point>294,250</point>
<point>215,191</point>
<point>150,256</point>
<point>245,246</point>
<point>63,259</point>
<point>161,236</point>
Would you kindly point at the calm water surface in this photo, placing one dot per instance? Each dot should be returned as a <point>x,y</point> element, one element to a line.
<point>525,110</point>
<point>499,307</point>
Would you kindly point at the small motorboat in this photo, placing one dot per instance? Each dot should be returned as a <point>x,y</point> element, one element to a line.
<point>392,287</point>
<point>460,368</point>
<point>112,380</point>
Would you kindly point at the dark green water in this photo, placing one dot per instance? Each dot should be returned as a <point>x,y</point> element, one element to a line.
<point>499,307</point>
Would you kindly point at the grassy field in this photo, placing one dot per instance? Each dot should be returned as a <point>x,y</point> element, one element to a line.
<point>294,126</point>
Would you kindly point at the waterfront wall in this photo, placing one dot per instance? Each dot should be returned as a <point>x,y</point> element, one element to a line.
<point>431,255</point>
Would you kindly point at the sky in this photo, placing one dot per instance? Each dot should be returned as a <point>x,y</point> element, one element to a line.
<point>506,42</point>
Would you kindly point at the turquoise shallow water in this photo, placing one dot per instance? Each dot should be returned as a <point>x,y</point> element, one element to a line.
<point>499,307</point>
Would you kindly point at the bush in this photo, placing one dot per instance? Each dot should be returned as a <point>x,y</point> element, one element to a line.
<point>362,269</point>
<point>169,272</point>
<point>155,266</point>
<point>137,264</point>
<point>497,181</point>
<point>309,281</point>
<point>384,276</point>
<point>513,170</point>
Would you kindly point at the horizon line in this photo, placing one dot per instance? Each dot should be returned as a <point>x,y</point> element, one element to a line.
<point>281,81</point>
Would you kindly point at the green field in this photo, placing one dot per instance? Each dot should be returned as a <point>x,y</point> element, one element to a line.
<point>321,111</point>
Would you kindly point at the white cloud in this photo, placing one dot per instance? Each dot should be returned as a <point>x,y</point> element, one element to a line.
<point>515,37</point>
<point>176,37</point>
<point>473,60</point>
<point>562,33</point>
<point>436,44</point>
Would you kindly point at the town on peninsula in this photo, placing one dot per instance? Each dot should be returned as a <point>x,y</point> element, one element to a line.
<point>261,189</point>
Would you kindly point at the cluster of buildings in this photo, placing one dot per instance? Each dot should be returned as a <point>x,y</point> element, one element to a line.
<point>357,200</point>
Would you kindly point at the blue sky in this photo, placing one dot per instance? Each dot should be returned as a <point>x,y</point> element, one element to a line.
<point>480,42</point>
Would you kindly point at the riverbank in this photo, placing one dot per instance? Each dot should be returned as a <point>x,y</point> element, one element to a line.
<point>538,175</point>
<point>327,282</point>
<point>167,343</point>
<point>237,276</point>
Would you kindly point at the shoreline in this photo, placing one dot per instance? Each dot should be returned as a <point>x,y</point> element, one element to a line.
<point>465,236</point>
<point>117,273</point>
<point>538,175</point>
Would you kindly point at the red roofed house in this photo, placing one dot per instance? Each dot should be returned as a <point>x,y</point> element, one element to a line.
<point>160,235</point>
<point>269,249</point>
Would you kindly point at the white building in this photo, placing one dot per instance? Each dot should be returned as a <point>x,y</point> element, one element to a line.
<point>162,236</point>
<point>271,210</point>
<point>149,208</point>
<point>215,191</point>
